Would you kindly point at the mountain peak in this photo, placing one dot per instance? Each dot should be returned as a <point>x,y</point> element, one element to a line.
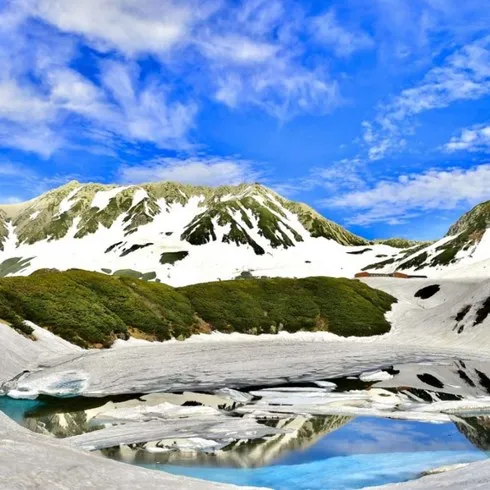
<point>474,221</point>
<point>249,214</point>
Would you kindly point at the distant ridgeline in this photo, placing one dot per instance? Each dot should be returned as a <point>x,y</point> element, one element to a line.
<point>179,234</point>
<point>184,234</point>
<point>93,310</point>
<point>462,241</point>
<point>244,210</point>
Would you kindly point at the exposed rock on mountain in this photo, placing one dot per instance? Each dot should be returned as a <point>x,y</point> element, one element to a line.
<point>466,243</point>
<point>179,234</point>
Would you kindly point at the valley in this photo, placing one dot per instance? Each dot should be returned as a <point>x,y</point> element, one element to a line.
<point>221,335</point>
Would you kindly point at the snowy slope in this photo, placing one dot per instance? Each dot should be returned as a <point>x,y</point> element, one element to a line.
<point>19,352</point>
<point>457,315</point>
<point>463,252</point>
<point>181,234</point>
<point>177,234</point>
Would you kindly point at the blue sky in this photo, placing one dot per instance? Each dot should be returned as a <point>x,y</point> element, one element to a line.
<point>375,113</point>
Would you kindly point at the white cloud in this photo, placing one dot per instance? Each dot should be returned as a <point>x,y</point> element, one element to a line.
<point>23,104</point>
<point>9,169</point>
<point>229,89</point>
<point>238,49</point>
<point>211,171</point>
<point>63,107</point>
<point>38,138</point>
<point>464,75</point>
<point>280,89</point>
<point>261,63</point>
<point>70,91</point>
<point>250,51</point>
<point>143,111</point>
<point>341,176</point>
<point>396,201</point>
<point>33,120</point>
<point>476,138</point>
<point>415,32</point>
<point>130,26</point>
<point>248,54</point>
<point>285,92</point>
<point>343,41</point>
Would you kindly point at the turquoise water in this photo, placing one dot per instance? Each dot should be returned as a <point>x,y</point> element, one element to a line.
<point>365,451</point>
<point>337,473</point>
<point>17,409</point>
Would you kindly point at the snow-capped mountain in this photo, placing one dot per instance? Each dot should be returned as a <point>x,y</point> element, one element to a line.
<point>182,234</point>
<point>178,234</point>
<point>464,251</point>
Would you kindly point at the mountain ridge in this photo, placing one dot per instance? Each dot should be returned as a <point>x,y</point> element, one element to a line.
<point>465,242</point>
<point>75,198</point>
<point>183,234</point>
<point>177,233</point>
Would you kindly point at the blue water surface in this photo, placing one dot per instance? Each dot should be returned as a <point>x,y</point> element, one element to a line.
<point>17,409</point>
<point>365,452</point>
<point>337,473</point>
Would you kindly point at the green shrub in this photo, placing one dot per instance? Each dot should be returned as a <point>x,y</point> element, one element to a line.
<point>92,309</point>
<point>172,257</point>
<point>416,262</point>
<point>128,273</point>
<point>340,306</point>
<point>379,265</point>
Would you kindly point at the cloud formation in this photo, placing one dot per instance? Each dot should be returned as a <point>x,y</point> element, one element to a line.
<point>209,171</point>
<point>396,201</point>
<point>476,138</point>
<point>464,75</point>
<point>46,104</point>
<point>344,41</point>
<point>132,27</point>
<point>248,53</point>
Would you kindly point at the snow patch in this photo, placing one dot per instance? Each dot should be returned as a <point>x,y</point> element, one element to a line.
<point>138,196</point>
<point>102,198</point>
<point>67,203</point>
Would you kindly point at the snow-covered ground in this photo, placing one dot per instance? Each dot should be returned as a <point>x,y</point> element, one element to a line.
<point>434,320</point>
<point>20,353</point>
<point>29,461</point>
<point>474,476</point>
<point>209,262</point>
<point>424,331</point>
<point>210,366</point>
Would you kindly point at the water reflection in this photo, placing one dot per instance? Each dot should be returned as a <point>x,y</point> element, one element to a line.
<point>337,473</point>
<point>59,417</point>
<point>476,430</point>
<point>359,453</point>
<point>302,434</point>
<point>321,453</point>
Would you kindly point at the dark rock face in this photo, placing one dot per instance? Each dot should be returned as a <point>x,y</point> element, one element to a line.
<point>428,291</point>
<point>430,380</point>
<point>476,430</point>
